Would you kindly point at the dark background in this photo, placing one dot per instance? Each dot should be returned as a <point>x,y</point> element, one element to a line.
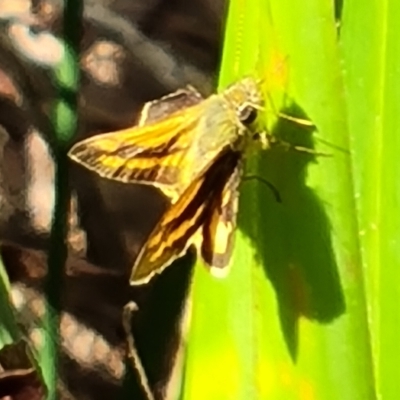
<point>132,51</point>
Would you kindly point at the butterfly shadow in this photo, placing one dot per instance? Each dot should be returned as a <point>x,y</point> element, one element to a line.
<point>295,245</point>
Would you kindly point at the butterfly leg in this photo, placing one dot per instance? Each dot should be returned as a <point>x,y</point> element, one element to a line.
<point>302,149</point>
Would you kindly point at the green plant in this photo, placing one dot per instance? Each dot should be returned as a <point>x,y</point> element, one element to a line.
<point>309,310</point>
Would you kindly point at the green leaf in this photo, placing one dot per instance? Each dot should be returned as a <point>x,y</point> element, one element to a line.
<point>64,119</point>
<point>291,320</point>
<point>370,40</point>
<point>9,331</point>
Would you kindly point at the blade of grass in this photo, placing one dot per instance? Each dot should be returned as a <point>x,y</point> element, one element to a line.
<point>66,77</point>
<point>320,245</point>
<point>9,331</point>
<point>225,354</point>
<point>370,41</point>
<point>298,339</point>
<point>219,358</point>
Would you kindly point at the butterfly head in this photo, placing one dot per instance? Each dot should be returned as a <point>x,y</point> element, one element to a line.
<point>245,98</point>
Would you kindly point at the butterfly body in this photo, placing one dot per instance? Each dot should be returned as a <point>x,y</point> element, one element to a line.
<point>192,150</point>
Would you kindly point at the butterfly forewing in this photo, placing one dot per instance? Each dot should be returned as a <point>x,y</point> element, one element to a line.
<point>150,154</point>
<point>159,109</point>
<point>171,151</point>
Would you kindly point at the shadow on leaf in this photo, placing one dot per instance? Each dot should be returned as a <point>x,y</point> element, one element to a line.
<point>294,244</point>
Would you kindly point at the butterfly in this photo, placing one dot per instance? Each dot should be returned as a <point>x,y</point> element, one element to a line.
<point>192,149</point>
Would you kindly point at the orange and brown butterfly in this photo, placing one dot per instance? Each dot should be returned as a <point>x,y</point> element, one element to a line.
<point>192,150</point>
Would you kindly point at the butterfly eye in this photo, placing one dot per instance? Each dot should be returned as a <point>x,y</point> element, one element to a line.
<point>247,115</point>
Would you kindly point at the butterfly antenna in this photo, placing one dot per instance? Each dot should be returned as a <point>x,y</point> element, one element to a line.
<point>273,189</point>
<point>132,352</point>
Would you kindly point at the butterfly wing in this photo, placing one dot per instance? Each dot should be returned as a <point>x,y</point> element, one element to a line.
<point>168,151</point>
<point>137,154</point>
<point>219,226</point>
<point>182,222</point>
<point>159,109</point>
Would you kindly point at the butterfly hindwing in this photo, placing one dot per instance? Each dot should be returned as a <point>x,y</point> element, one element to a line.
<point>219,227</point>
<point>171,237</point>
<point>183,222</point>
